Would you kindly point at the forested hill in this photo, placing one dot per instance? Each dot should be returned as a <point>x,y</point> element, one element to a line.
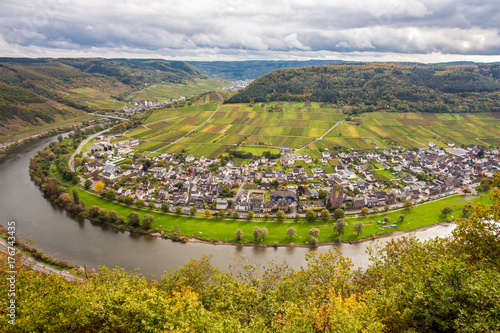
<point>387,86</point>
<point>252,69</point>
<point>39,91</point>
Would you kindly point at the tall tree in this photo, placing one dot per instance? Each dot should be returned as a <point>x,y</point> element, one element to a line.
<point>339,226</point>
<point>291,232</point>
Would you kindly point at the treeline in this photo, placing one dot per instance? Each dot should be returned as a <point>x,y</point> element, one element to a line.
<point>440,285</point>
<point>390,87</point>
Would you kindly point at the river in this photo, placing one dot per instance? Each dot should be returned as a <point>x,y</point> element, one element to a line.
<point>81,242</point>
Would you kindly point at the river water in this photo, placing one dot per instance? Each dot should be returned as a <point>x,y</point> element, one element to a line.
<point>81,242</point>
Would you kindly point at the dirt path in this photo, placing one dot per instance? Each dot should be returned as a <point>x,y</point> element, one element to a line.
<point>321,137</point>
<point>188,133</point>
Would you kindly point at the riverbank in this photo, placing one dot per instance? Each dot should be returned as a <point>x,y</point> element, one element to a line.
<point>43,267</point>
<point>222,231</point>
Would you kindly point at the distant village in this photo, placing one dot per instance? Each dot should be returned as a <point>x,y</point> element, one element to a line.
<point>139,106</point>
<point>376,179</point>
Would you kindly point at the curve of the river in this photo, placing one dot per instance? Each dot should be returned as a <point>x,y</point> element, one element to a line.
<point>81,242</point>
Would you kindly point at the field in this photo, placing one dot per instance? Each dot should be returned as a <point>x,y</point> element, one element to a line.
<point>214,229</point>
<point>208,129</point>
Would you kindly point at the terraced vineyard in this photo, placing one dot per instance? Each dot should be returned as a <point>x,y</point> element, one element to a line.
<point>205,130</point>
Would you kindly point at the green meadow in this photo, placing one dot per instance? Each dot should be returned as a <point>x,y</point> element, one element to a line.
<point>213,229</point>
<point>205,130</point>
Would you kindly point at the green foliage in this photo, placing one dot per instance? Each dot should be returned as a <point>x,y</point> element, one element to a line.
<point>250,215</point>
<point>339,213</point>
<point>147,221</point>
<point>134,219</point>
<point>370,87</point>
<point>339,226</point>
<point>291,232</point>
<point>358,228</point>
<point>311,216</point>
<point>239,235</point>
<point>325,215</point>
<point>280,216</point>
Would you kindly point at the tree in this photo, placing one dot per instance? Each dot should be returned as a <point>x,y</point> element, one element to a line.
<point>314,232</point>
<point>111,194</point>
<point>387,219</point>
<point>386,208</point>
<point>165,207</point>
<point>222,214</point>
<point>236,215</point>
<point>365,211</point>
<point>151,205</point>
<point>375,210</point>
<point>99,187</point>
<point>280,215</point>
<point>311,216</point>
<point>78,162</point>
<point>266,217</point>
<point>139,203</point>
<point>112,216</point>
<point>147,221</point>
<point>446,210</point>
<point>250,215</point>
<point>408,204</point>
<point>208,213</point>
<point>239,235</point>
<point>297,218</point>
<point>193,211</point>
<point>128,200</point>
<point>256,233</point>
<point>339,226</point>
<point>263,232</point>
<point>314,240</point>
<point>338,213</point>
<point>325,214</point>
<point>178,210</point>
<point>134,219</point>
<point>358,228</point>
<point>65,199</point>
<point>401,217</point>
<point>76,198</point>
<point>229,212</point>
<point>291,232</point>
<point>94,211</point>
<point>59,138</point>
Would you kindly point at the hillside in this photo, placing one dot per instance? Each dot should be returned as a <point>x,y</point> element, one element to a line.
<point>250,70</point>
<point>35,92</point>
<point>390,87</point>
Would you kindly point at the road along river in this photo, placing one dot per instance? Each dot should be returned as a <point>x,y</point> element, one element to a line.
<point>81,242</point>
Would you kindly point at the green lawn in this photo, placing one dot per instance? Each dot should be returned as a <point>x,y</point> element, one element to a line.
<point>214,229</point>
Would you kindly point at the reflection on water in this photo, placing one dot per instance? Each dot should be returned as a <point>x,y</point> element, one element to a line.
<point>81,242</point>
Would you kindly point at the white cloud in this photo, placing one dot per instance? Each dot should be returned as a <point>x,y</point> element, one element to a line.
<point>249,29</point>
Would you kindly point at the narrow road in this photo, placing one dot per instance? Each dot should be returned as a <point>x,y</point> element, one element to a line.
<point>41,267</point>
<point>80,146</point>
<point>110,117</point>
<point>321,137</point>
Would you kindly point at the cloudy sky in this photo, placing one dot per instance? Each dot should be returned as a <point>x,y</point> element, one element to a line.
<point>380,30</point>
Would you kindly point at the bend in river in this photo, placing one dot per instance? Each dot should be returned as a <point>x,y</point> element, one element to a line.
<point>81,242</point>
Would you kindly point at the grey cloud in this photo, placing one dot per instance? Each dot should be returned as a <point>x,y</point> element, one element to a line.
<point>237,28</point>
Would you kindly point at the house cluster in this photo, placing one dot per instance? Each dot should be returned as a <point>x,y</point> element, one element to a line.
<point>138,106</point>
<point>353,179</point>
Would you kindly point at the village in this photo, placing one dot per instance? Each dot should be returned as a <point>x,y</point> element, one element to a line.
<point>293,183</point>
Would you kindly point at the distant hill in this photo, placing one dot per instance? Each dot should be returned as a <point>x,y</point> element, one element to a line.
<point>250,70</point>
<point>39,91</point>
<point>383,86</point>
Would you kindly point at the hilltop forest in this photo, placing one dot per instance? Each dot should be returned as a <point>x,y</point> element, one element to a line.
<point>441,285</point>
<point>365,87</point>
<point>38,91</point>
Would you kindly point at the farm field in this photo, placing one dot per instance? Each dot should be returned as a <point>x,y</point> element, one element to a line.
<point>209,130</point>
